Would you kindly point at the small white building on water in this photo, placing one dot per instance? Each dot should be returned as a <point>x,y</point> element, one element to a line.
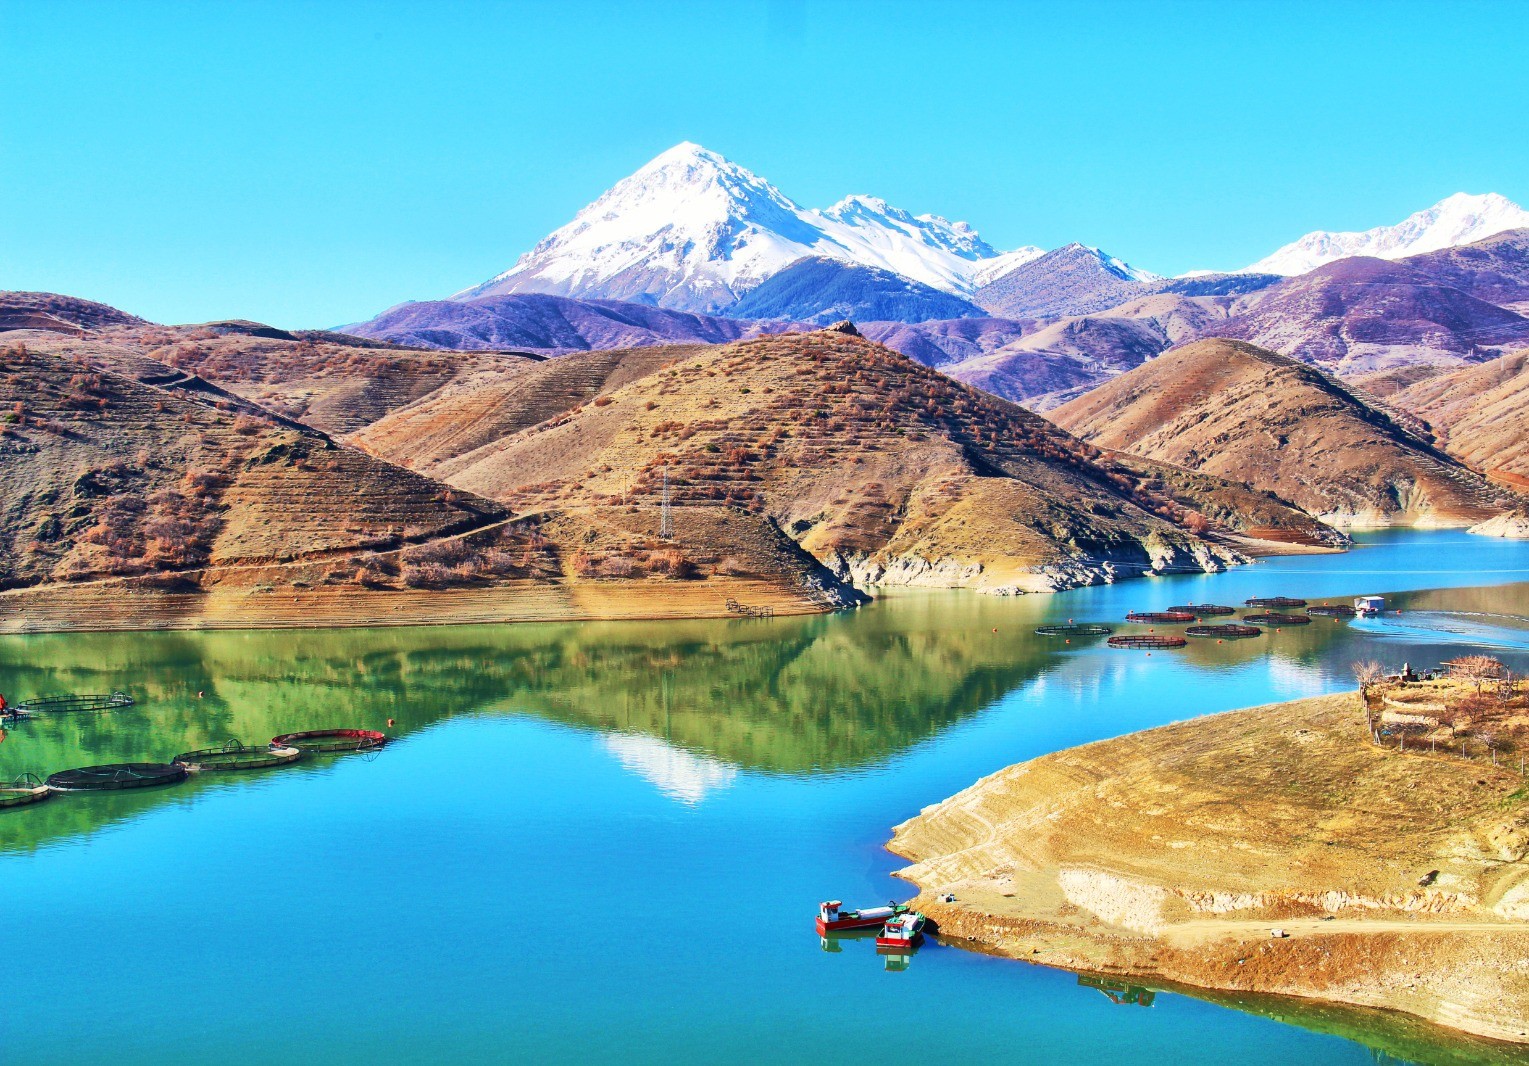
<point>1369,604</point>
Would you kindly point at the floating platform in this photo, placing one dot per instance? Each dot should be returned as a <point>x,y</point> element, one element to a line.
<point>1271,618</point>
<point>1078,629</point>
<point>1332,610</point>
<point>1203,610</point>
<point>1274,601</point>
<point>1232,632</point>
<point>235,755</point>
<point>1166,618</point>
<point>332,740</point>
<point>28,788</point>
<point>1147,640</point>
<point>116,776</point>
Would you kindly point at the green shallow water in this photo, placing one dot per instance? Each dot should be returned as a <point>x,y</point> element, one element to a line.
<point>605,841</point>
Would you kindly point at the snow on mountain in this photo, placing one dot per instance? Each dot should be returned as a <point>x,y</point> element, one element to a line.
<point>1455,220</point>
<point>996,267</point>
<point>693,231</point>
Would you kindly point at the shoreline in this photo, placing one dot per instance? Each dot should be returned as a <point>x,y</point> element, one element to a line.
<point>1182,853</point>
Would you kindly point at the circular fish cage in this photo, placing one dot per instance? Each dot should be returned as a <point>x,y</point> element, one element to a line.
<point>116,776</point>
<point>332,740</point>
<point>1332,610</point>
<point>1271,618</point>
<point>1078,629</point>
<point>1166,618</point>
<point>1147,640</point>
<point>71,703</point>
<point>28,788</point>
<point>235,755</point>
<point>1235,632</point>
<point>1275,601</point>
<point>1202,610</point>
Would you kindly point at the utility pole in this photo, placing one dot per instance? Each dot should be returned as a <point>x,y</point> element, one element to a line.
<point>666,521</point>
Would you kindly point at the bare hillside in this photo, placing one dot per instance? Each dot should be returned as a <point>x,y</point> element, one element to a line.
<point>879,467</point>
<point>1267,421</point>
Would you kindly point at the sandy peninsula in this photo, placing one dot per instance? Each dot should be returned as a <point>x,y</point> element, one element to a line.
<point>1270,850</point>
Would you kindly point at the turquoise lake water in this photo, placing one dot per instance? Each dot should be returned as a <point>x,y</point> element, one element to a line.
<point>605,842</point>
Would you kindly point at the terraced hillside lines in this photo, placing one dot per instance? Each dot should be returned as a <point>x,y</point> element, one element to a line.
<point>1480,415</point>
<point>874,464</point>
<point>338,385</point>
<point>105,476</point>
<point>479,409</point>
<point>1267,421</point>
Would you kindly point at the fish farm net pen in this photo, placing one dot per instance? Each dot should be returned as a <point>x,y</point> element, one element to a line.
<point>1146,640</point>
<point>1224,631</point>
<point>1271,619</point>
<point>116,776</point>
<point>1078,629</point>
<point>70,703</point>
<point>1274,601</point>
<point>1167,618</point>
<point>332,740</point>
<point>28,788</point>
<point>234,755</point>
<point>1332,611</point>
<point>1202,610</point>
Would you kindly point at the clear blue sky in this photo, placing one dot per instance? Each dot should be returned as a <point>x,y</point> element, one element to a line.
<point>311,164</point>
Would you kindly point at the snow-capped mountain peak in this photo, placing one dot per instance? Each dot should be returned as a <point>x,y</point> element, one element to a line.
<point>692,230</point>
<point>1454,220</point>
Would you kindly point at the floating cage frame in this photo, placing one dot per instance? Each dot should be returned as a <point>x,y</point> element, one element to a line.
<point>1074,629</point>
<point>70,703</point>
<point>1202,610</point>
<point>1147,640</point>
<point>1271,618</point>
<point>1229,630</point>
<point>236,755</point>
<point>1274,601</point>
<point>28,788</point>
<point>111,777</point>
<point>1165,618</point>
<point>1332,610</point>
<point>331,740</point>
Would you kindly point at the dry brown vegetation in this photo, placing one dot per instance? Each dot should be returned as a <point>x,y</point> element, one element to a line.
<point>1250,416</point>
<point>871,462</point>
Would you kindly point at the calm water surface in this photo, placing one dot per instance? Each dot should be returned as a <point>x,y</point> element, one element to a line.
<point>605,841</point>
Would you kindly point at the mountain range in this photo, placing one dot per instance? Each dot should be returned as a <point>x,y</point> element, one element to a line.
<point>694,231</point>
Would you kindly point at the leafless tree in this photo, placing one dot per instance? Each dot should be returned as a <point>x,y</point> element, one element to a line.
<point>1368,673</point>
<point>1476,669</point>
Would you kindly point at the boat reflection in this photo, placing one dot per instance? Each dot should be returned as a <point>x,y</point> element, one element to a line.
<point>891,961</point>
<point>1119,992</point>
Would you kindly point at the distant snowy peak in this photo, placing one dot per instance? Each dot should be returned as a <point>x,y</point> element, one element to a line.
<point>1455,220</point>
<point>694,231</point>
<point>1119,267</point>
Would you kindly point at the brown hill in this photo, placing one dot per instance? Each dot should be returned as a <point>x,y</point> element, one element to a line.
<point>881,468</point>
<point>106,477</point>
<point>1362,314</point>
<point>131,504</point>
<point>1479,414</point>
<point>1251,416</point>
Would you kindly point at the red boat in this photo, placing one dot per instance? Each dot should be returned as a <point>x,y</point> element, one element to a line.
<point>832,918</point>
<point>901,933</point>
